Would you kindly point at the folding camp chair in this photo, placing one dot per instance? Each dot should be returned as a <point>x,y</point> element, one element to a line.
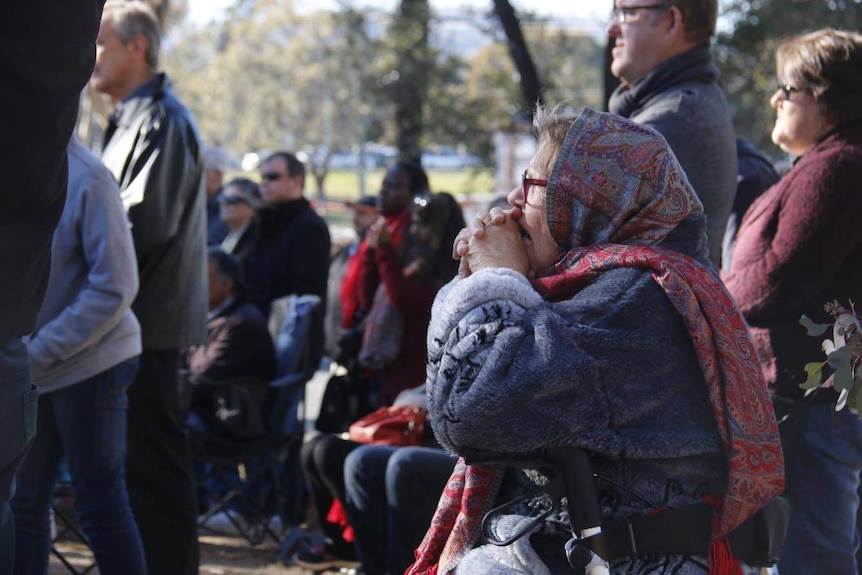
<point>67,528</point>
<point>255,471</point>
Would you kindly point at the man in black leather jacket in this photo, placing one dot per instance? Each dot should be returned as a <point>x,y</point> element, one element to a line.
<point>153,149</point>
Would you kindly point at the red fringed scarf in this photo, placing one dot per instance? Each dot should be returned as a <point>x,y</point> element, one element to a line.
<point>738,396</point>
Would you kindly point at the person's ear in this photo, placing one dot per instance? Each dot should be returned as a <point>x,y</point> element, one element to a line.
<point>138,45</point>
<point>675,27</point>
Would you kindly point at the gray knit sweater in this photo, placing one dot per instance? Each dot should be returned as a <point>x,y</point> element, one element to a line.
<point>86,324</point>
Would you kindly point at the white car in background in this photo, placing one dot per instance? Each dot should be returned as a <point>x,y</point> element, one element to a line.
<point>449,160</point>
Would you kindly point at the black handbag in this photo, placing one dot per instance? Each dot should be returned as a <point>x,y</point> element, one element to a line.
<point>239,408</point>
<point>346,398</point>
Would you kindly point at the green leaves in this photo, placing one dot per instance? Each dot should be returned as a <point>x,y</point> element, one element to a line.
<point>813,329</point>
<point>815,376</point>
<point>843,355</point>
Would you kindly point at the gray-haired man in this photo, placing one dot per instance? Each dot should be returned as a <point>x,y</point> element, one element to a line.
<point>153,149</point>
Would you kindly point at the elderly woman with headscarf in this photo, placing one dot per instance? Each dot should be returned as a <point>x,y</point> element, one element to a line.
<point>798,248</point>
<point>588,316</point>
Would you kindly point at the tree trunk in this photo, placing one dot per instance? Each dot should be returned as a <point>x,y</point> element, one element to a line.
<point>531,86</point>
<point>409,34</point>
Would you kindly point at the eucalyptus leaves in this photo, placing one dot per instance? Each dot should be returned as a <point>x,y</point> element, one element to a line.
<point>843,355</point>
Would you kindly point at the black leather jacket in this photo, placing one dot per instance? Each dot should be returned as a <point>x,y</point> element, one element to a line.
<point>153,149</point>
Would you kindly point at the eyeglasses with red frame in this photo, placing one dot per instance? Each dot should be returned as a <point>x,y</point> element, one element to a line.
<point>527,182</point>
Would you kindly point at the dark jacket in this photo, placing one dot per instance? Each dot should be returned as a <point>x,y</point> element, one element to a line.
<point>44,69</point>
<point>246,243</point>
<point>216,229</point>
<point>238,344</point>
<point>291,257</point>
<point>153,149</point>
<point>756,175</point>
<point>682,101</point>
<point>798,248</point>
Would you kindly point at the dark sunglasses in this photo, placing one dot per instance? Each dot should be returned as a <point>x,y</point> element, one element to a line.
<point>787,89</point>
<point>233,200</point>
<point>271,176</point>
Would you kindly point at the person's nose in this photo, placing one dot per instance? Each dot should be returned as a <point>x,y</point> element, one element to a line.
<point>516,197</point>
<point>613,28</point>
<point>777,97</point>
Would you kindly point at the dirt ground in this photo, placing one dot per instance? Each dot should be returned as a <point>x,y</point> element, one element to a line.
<point>219,556</point>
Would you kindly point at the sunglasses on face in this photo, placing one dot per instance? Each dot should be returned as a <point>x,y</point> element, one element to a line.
<point>233,200</point>
<point>271,176</point>
<point>623,14</point>
<point>787,90</point>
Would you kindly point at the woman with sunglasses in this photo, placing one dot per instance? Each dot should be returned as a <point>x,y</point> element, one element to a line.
<point>578,321</point>
<point>798,248</point>
<point>238,205</point>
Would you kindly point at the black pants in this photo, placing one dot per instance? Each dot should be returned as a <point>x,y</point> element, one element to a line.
<point>322,461</point>
<point>159,468</point>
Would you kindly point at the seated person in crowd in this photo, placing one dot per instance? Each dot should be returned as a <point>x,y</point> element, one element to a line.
<point>411,281</point>
<point>238,345</point>
<point>392,492</point>
<point>238,205</point>
<point>578,322</point>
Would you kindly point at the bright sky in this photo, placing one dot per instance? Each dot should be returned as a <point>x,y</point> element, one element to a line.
<point>592,12</point>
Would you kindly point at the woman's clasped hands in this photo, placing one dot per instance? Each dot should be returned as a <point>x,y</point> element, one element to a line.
<point>491,239</point>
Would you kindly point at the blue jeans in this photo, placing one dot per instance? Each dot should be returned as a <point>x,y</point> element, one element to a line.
<point>822,487</point>
<point>17,428</point>
<point>86,422</point>
<point>392,493</point>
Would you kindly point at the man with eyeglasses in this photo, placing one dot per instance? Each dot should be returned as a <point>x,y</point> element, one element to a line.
<point>152,148</point>
<point>669,82</point>
<point>291,255</point>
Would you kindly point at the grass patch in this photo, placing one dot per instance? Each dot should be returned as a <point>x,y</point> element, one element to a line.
<point>343,185</point>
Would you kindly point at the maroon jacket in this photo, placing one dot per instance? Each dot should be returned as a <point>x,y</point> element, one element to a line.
<point>799,247</point>
<point>412,298</point>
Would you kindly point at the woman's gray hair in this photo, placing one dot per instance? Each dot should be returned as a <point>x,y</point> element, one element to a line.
<point>133,17</point>
<point>552,125</point>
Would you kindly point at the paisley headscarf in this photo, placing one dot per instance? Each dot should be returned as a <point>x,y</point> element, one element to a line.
<point>615,191</point>
<point>615,182</point>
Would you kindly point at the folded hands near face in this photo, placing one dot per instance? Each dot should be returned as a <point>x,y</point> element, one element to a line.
<point>492,239</point>
<point>378,233</point>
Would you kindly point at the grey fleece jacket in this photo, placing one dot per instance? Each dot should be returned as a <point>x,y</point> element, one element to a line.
<point>86,325</point>
<point>612,370</point>
<point>682,101</point>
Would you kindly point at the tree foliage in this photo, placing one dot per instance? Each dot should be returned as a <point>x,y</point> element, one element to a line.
<point>268,76</point>
<point>746,54</point>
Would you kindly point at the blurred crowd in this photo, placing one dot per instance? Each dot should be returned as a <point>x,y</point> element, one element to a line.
<point>629,311</point>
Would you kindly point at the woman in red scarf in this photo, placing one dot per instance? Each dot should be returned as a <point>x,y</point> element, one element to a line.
<point>588,316</point>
